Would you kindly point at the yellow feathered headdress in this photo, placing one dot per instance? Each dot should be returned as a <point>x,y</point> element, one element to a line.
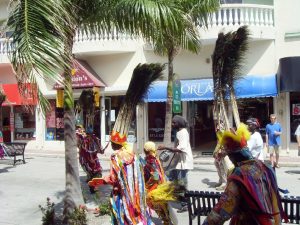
<point>234,140</point>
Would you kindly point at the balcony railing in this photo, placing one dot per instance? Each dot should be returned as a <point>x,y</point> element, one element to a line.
<point>5,46</point>
<point>113,36</point>
<point>243,14</point>
<point>228,15</point>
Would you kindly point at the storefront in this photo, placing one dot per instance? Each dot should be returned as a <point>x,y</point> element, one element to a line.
<point>18,113</point>
<point>83,78</point>
<point>289,83</point>
<point>255,99</point>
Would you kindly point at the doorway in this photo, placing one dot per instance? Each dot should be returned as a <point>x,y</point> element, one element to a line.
<point>202,132</point>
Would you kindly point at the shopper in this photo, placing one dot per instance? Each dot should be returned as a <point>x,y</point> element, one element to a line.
<point>273,132</point>
<point>255,143</point>
<point>183,151</point>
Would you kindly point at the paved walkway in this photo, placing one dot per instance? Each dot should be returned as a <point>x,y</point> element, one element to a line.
<point>290,159</point>
<point>43,176</point>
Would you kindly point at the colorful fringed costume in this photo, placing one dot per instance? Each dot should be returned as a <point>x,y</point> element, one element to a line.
<point>128,198</point>
<point>159,191</point>
<point>89,146</point>
<point>251,196</point>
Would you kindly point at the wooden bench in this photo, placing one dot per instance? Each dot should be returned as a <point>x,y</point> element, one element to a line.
<point>200,203</point>
<point>15,149</point>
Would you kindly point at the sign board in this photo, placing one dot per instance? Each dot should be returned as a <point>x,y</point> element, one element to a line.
<point>296,110</point>
<point>177,96</point>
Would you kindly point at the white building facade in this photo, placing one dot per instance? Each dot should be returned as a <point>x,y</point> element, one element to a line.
<point>275,34</point>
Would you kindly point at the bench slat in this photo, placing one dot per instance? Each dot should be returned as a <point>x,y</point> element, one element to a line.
<point>201,203</point>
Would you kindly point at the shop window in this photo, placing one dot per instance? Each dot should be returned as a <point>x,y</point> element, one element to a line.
<point>295,113</point>
<point>156,121</point>
<point>51,122</point>
<point>200,118</point>
<point>112,108</point>
<point>54,122</point>
<point>24,123</point>
<point>259,108</point>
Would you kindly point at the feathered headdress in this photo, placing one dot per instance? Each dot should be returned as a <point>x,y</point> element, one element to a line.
<point>143,76</point>
<point>227,59</point>
<point>235,140</point>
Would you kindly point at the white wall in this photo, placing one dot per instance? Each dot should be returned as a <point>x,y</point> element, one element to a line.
<point>287,19</point>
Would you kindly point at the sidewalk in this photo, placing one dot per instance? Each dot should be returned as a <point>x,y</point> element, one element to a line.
<point>290,159</point>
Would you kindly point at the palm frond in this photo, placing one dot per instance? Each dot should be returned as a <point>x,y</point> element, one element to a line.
<point>235,49</point>
<point>39,29</point>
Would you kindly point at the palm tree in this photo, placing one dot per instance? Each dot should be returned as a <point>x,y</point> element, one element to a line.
<point>168,42</point>
<point>43,34</point>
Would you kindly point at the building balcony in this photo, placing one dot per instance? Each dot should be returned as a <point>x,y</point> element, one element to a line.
<point>259,19</point>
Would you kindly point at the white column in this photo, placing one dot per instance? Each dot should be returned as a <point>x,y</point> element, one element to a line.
<point>287,121</point>
<point>11,120</point>
<point>102,117</point>
<point>40,129</point>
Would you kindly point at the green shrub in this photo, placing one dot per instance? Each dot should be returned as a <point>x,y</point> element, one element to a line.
<point>105,208</point>
<point>78,217</point>
<point>48,213</point>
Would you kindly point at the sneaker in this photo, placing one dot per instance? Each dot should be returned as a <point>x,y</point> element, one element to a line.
<point>183,209</point>
<point>277,166</point>
<point>221,188</point>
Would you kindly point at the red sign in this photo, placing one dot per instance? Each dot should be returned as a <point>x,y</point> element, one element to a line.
<point>296,110</point>
<point>82,76</point>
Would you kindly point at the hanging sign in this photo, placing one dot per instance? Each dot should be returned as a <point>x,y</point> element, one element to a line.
<point>176,96</point>
<point>296,110</point>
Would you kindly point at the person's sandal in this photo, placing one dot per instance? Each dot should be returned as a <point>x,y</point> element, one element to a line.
<point>183,209</point>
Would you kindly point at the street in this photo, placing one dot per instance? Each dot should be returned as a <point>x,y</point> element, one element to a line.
<point>26,186</point>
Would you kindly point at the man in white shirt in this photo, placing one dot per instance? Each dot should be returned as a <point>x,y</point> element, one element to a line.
<point>255,143</point>
<point>184,153</point>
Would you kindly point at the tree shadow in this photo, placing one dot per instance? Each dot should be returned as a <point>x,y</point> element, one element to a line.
<point>6,169</point>
<point>198,169</point>
<point>293,171</point>
<point>210,184</point>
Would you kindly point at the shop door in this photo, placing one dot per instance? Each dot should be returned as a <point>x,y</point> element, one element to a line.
<point>202,133</point>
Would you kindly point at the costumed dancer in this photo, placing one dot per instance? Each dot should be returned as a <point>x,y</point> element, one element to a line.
<point>251,196</point>
<point>159,190</point>
<point>89,146</point>
<point>128,198</point>
<point>219,155</point>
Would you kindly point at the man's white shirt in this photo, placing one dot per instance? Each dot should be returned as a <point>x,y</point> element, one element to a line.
<point>186,161</point>
<point>256,146</point>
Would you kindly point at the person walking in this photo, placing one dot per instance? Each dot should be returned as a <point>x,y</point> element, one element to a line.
<point>273,132</point>
<point>251,195</point>
<point>255,143</point>
<point>183,151</point>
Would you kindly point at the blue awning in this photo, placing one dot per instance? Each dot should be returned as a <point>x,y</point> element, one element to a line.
<point>250,86</point>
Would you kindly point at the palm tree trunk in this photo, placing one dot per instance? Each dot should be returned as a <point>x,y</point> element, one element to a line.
<point>235,109</point>
<point>73,196</point>
<point>169,103</point>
